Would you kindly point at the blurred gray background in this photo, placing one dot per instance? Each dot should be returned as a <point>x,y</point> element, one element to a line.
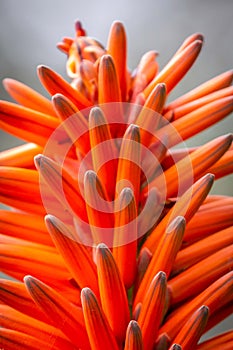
<point>29,31</point>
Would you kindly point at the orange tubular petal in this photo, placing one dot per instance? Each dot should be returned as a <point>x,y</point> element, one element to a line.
<point>20,156</point>
<point>220,82</point>
<point>117,48</point>
<point>221,341</point>
<point>74,122</point>
<point>189,40</point>
<point>175,155</point>
<point>20,189</point>
<point>99,210</point>
<point>193,105</point>
<point>108,84</point>
<point>224,166</point>
<point>61,185</point>
<point>4,239</point>
<point>164,256</point>
<point>176,68</point>
<point>151,161</point>
<point>186,206</point>
<point>10,318</point>
<point>145,72</point>
<point>75,255</point>
<point>98,330</point>
<point>128,171</point>
<point>199,276</point>
<point>28,97</point>
<point>201,249</point>
<point>154,101</point>
<point>208,222</point>
<point>16,296</point>
<point>194,165</point>
<point>54,84</point>
<point>27,123</point>
<point>150,214</point>
<point>13,340</point>
<point>63,314</point>
<point>144,259</point>
<point>133,340</point>
<point>192,330</point>
<point>112,292</point>
<point>88,73</point>
<point>197,121</point>
<point>25,226</point>
<point>214,297</point>
<point>15,259</point>
<point>220,315</point>
<point>162,342</point>
<point>125,237</point>
<point>149,119</point>
<point>152,310</point>
<point>103,150</point>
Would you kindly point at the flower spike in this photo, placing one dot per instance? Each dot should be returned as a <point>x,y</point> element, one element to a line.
<point>74,122</point>
<point>125,236</point>
<point>116,39</point>
<point>30,326</point>
<point>193,329</point>
<point>20,156</point>
<point>96,323</point>
<point>214,297</point>
<point>64,315</point>
<point>133,337</point>
<point>186,206</point>
<point>112,291</point>
<point>203,273</point>
<point>176,68</point>
<point>74,253</point>
<point>54,83</point>
<point>27,123</point>
<point>152,310</point>
<point>128,171</point>
<point>128,247</point>
<point>28,97</point>
<point>11,340</point>
<point>224,340</point>
<point>217,83</point>
<point>103,150</point>
<point>164,255</point>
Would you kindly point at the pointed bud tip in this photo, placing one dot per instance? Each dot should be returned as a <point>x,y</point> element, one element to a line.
<point>204,309</point>
<point>49,218</point>
<point>96,117</point>
<point>41,69</point>
<point>57,97</point>
<point>37,160</point>
<point>178,223</point>
<point>86,294</point>
<point>175,347</point>
<point>133,324</point>
<point>29,280</point>
<point>162,277</point>
<point>90,176</point>
<point>133,131</point>
<point>127,194</point>
<point>101,246</point>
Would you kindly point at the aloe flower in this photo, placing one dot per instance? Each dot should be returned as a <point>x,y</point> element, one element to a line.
<point>112,240</point>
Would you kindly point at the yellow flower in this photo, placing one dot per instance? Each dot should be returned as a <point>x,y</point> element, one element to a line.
<point>113,240</point>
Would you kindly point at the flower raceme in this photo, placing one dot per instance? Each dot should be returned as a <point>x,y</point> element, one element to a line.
<point>112,238</point>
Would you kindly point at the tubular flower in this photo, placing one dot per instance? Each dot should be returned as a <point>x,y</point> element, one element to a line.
<point>111,238</point>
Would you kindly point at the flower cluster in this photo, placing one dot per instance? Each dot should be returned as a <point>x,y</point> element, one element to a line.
<point>113,240</point>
